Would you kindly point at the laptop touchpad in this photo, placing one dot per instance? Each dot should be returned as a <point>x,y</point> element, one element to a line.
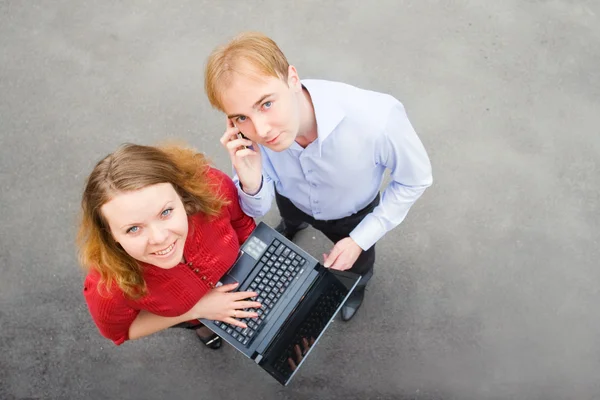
<point>240,270</point>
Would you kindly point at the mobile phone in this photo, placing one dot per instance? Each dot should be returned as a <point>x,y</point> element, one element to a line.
<point>240,135</point>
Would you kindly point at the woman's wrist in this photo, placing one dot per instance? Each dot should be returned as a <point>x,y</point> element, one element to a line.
<point>193,313</point>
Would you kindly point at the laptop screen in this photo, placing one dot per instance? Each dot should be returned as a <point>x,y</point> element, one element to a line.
<point>306,325</point>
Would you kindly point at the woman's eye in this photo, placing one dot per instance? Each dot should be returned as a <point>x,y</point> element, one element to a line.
<point>133,229</point>
<point>268,104</point>
<point>167,212</point>
<point>241,118</point>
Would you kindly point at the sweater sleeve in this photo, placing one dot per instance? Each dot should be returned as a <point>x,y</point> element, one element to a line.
<point>241,223</point>
<point>109,310</point>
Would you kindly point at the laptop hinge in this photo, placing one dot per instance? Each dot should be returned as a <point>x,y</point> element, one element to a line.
<point>258,358</point>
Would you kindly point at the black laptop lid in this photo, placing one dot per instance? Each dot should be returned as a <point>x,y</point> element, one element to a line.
<point>307,324</point>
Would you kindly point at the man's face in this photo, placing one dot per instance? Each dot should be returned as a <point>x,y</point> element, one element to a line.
<point>264,108</point>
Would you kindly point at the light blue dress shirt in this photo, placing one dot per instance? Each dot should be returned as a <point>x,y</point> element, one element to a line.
<point>360,133</point>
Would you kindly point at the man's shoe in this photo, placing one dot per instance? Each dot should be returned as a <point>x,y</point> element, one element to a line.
<point>353,304</point>
<point>288,231</point>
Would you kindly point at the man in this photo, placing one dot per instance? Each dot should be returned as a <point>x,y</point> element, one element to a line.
<point>320,148</point>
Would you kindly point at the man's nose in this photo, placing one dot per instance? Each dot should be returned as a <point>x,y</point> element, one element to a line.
<point>262,127</point>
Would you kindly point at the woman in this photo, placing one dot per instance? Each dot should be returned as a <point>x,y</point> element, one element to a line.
<point>159,228</point>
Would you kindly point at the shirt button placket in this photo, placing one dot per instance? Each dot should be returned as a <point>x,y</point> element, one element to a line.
<point>191,265</point>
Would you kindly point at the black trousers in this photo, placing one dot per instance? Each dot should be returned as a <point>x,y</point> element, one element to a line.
<point>335,230</point>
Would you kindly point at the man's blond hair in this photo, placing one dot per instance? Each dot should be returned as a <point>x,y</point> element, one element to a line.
<point>252,49</point>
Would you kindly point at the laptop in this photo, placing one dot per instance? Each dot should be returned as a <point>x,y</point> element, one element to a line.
<point>299,300</point>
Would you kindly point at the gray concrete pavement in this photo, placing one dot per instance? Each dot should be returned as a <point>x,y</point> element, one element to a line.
<point>489,289</point>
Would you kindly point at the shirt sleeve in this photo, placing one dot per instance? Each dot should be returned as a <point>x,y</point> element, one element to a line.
<point>257,205</point>
<point>399,149</point>
<point>109,310</point>
<point>240,221</point>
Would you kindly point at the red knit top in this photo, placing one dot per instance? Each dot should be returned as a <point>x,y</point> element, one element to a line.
<point>210,249</point>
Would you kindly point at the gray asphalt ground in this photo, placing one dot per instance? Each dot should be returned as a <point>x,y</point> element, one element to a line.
<point>488,290</point>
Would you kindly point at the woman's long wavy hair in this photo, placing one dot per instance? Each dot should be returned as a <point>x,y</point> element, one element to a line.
<point>133,167</point>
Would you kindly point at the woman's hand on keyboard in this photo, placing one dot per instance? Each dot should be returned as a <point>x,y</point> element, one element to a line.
<point>221,304</point>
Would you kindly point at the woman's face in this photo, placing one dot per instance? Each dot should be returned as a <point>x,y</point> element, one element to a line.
<point>150,224</point>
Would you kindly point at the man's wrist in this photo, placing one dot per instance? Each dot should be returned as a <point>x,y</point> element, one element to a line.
<point>356,244</point>
<point>251,191</point>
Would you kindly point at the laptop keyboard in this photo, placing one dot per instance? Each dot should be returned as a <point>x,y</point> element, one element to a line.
<point>278,266</point>
<point>312,326</point>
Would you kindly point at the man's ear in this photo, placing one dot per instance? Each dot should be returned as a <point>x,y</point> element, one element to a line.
<point>293,79</point>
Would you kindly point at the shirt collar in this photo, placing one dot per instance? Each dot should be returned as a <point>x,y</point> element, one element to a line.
<point>328,112</point>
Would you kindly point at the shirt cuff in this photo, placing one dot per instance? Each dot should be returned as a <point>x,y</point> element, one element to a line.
<point>259,188</point>
<point>368,232</point>
<point>252,204</point>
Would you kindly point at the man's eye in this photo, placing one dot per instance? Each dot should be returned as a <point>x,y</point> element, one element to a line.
<point>167,212</point>
<point>133,229</point>
<point>241,118</point>
<point>268,104</point>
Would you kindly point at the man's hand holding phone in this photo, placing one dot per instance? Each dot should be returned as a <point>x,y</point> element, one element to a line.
<point>245,157</point>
